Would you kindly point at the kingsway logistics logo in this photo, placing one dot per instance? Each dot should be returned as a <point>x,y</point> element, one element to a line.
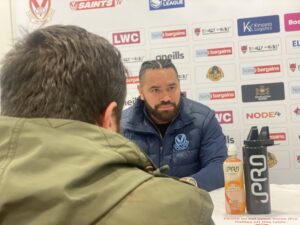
<point>93,4</point>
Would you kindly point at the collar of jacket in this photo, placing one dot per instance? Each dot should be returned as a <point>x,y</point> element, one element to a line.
<point>75,130</point>
<point>140,119</point>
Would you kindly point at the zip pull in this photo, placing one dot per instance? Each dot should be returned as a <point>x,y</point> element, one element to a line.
<point>159,172</point>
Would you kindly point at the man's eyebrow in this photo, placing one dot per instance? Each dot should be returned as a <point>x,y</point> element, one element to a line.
<point>154,86</point>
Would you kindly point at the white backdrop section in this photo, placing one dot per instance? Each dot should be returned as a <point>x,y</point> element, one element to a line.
<point>240,57</point>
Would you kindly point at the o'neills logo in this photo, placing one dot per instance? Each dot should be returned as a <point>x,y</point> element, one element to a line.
<point>222,95</point>
<point>40,11</point>
<point>93,4</point>
<point>298,158</point>
<point>278,136</point>
<point>174,55</point>
<point>215,73</point>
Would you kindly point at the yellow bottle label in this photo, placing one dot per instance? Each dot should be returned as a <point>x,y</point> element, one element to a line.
<point>235,202</point>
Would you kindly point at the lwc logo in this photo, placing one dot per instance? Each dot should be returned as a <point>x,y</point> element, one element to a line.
<point>40,11</point>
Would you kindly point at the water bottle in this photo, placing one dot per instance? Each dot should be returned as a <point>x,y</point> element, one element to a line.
<point>256,171</point>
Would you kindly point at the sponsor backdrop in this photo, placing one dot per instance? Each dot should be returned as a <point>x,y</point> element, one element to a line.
<point>241,58</point>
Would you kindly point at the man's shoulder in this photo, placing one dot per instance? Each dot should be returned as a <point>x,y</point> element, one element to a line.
<point>191,107</point>
<point>132,114</point>
<point>179,202</point>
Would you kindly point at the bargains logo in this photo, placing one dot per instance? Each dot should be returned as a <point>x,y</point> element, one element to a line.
<point>213,52</point>
<point>264,69</point>
<point>221,95</point>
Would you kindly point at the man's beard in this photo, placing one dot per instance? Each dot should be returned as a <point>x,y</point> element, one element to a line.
<point>164,116</point>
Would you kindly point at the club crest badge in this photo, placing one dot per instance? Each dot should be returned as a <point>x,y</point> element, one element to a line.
<point>215,73</point>
<point>293,67</point>
<point>181,142</point>
<point>244,48</point>
<point>40,11</point>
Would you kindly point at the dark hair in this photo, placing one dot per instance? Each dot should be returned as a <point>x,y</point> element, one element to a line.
<point>62,72</point>
<point>156,64</point>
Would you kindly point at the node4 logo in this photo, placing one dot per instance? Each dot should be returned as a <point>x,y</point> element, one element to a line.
<point>271,114</point>
<point>258,25</point>
<point>165,4</point>
<point>181,142</point>
<point>93,4</point>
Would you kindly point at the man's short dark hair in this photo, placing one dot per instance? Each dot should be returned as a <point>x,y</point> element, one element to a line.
<point>62,72</point>
<point>156,64</point>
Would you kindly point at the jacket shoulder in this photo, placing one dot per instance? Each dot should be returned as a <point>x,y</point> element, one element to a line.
<point>180,203</point>
<point>193,107</point>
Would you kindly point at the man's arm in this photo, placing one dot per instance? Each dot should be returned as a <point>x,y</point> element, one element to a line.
<point>213,152</point>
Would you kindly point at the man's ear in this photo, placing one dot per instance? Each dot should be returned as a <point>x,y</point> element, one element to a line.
<point>108,118</point>
<point>140,91</point>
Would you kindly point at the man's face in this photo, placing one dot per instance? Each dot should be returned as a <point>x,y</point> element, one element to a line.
<point>160,90</point>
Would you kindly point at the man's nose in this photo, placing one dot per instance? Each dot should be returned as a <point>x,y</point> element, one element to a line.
<point>166,97</point>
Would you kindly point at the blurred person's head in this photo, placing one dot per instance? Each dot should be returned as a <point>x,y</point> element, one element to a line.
<point>64,72</point>
<point>159,88</point>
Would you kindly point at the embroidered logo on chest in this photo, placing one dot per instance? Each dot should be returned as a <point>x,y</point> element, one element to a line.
<point>181,142</point>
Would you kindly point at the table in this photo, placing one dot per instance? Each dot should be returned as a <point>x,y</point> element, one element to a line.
<point>285,208</point>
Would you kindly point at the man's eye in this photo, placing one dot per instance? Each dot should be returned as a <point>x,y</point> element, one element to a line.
<point>172,88</point>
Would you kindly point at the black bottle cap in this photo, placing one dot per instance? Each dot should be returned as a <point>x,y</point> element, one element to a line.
<point>262,139</point>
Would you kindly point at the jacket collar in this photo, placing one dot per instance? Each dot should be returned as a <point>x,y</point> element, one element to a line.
<point>140,118</point>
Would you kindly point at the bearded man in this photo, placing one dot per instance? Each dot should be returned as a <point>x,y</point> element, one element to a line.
<point>174,131</point>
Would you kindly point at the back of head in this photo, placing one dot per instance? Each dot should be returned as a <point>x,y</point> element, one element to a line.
<point>62,72</point>
<point>156,64</point>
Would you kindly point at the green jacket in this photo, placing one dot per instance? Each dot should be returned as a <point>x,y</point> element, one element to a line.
<point>67,172</point>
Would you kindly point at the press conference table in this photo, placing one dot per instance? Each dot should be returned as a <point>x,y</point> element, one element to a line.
<point>285,206</point>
